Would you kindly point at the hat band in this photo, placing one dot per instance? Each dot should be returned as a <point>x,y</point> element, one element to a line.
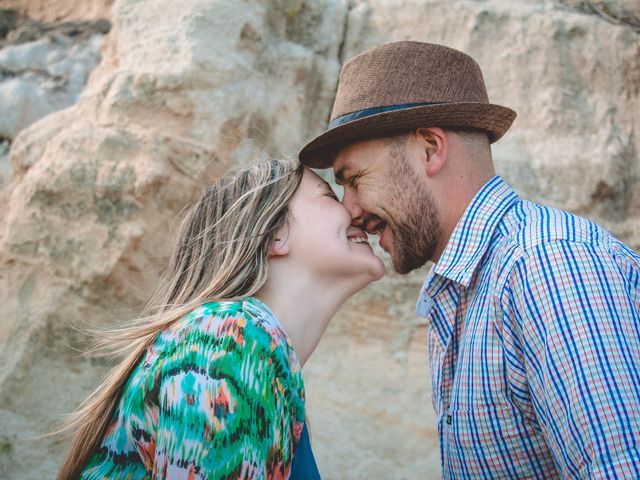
<point>367,112</point>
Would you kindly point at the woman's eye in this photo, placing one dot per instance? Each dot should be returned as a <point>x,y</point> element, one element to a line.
<point>332,195</point>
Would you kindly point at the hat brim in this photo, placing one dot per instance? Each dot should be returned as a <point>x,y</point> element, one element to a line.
<point>493,119</point>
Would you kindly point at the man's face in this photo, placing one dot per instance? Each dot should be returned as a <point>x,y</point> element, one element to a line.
<point>385,193</point>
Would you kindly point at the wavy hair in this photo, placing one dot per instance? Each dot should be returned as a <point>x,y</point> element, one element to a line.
<point>220,253</point>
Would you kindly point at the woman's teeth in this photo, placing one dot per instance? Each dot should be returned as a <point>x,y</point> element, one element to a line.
<point>358,240</point>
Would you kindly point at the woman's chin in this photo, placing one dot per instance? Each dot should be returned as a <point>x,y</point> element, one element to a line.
<point>372,271</point>
<point>377,269</point>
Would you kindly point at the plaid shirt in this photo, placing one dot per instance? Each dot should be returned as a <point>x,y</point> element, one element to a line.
<point>534,344</point>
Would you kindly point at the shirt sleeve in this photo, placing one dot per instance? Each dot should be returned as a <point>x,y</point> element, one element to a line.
<point>578,327</point>
<point>224,410</point>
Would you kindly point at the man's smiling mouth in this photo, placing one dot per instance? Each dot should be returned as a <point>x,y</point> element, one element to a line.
<point>374,226</point>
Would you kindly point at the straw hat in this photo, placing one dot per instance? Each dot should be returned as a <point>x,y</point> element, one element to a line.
<point>404,85</point>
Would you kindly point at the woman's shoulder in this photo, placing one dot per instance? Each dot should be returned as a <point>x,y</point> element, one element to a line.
<point>229,325</point>
<point>239,339</point>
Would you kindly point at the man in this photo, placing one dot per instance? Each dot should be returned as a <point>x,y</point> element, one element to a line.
<point>534,313</point>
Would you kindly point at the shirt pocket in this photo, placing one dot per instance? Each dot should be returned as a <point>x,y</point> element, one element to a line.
<point>497,439</point>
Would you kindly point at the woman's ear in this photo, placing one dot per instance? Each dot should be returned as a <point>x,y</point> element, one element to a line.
<point>435,147</point>
<point>280,246</point>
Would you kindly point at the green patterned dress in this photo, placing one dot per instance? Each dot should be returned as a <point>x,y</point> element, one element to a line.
<point>219,396</point>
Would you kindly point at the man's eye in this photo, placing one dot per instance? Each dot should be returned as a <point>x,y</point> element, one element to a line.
<point>352,181</point>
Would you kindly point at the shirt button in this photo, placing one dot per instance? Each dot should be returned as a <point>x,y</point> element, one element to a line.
<point>448,419</point>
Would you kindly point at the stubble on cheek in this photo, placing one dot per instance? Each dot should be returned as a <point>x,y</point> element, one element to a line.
<point>415,221</point>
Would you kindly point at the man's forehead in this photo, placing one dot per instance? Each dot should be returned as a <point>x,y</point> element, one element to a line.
<point>356,156</point>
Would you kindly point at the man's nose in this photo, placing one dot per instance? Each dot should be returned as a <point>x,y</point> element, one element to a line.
<point>350,201</point>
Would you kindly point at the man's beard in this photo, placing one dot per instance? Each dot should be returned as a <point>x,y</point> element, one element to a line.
<point>416,222</point>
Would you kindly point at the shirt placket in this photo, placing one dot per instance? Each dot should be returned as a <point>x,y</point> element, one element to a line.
<point>445,340</point>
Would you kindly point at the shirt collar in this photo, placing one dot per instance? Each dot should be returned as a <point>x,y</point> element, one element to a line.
<point>473,233</point>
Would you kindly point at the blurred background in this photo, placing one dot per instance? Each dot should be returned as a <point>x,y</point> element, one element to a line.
<point>114,113</point>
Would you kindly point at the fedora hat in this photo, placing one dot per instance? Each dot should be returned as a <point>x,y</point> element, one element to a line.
<point>404,85</point>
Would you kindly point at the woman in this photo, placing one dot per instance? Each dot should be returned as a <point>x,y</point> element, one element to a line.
<point>212,387</point>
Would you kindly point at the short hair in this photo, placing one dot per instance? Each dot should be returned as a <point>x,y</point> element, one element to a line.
<point>475,141</point>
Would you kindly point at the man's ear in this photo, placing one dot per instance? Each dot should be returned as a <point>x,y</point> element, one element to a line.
<point>434,143</point>
<point>280,245</point>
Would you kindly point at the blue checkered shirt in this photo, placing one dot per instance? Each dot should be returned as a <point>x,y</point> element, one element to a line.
<point>534,344</point>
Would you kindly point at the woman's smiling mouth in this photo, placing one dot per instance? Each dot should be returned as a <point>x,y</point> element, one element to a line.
<point>357,235</point>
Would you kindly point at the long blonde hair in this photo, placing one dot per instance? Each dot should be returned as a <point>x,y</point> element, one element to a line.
<point>220,253</point>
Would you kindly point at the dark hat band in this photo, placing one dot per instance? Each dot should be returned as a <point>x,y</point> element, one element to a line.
<point>367,112</point>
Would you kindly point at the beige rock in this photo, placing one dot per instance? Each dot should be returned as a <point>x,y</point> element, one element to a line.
<point>60,10</point>
<point>615,11</point>
<point>184,92</point>
<point>368,390</point>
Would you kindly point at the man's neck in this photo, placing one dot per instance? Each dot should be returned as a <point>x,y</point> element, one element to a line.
<point>457,202</point>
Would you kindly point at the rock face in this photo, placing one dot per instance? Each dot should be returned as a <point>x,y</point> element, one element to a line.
<point>184,92</point>
<point>43,76</point>
<point>43,68</point>
<point>60,10</point>
<point>181,95</point>
<point>620,12</point>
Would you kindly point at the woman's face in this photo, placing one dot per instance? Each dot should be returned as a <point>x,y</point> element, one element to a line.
<point>321,238</point>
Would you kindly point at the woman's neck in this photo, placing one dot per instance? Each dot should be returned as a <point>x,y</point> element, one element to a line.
<point>304,309</point>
